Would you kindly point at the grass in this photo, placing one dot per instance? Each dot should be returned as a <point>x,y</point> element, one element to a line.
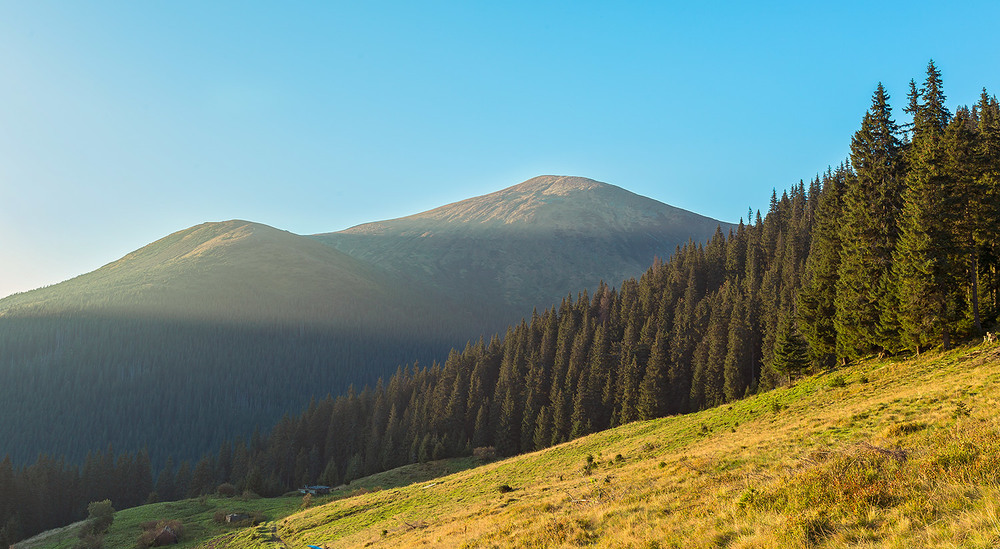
<point>886,453</point>
<point>890,453</point>
<point>197,515</point>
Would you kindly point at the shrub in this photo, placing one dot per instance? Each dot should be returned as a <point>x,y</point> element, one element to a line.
<point>151,529</point>
<point>485,453</point>
<point>505,488</point>
<point>961,410</point>
<point>306,501</point>
<point>226,490</point>
<point>100,515</point>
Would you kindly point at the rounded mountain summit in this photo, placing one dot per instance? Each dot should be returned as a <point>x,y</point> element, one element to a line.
<point>528,245</point>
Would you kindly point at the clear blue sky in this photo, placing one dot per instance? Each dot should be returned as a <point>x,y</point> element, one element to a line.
<point>121,122</point>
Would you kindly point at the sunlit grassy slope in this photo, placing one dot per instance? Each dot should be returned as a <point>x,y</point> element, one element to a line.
<point>884,454</point>
<point>197,516</point>
<point>236,270</point>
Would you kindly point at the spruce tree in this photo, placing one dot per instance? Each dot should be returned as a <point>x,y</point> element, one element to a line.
<point>817,301</point>
<point>736,367</point>
<point>868,233</point>
<point>988,127</point>
<point>969,201</point>
<point>790,352</point>
<point>924,262</point>
<point>653,388</point>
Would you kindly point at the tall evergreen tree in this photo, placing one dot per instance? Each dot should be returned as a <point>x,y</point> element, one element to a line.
<point>925,265</point>
<point>790,352</point>
<point>653,388</point>
<point>868,230</point>
<point>817,301</point>
<point>969,201</point>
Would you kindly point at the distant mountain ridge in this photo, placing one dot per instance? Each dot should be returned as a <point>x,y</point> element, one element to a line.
<point>235,270</point>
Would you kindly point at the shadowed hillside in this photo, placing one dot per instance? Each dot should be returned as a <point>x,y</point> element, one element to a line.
<point>201,335</point>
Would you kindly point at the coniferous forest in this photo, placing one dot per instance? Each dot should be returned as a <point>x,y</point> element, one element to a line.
<point>895,251</point>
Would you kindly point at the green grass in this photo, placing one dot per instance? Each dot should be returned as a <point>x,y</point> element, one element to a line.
<point>197,515</point>
<point>890,453</point>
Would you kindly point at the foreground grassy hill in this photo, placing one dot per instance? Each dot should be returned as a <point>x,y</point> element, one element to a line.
<point>197,516</point>
<point>888,453</point>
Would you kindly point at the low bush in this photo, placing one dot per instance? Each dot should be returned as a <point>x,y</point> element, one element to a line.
<point>485,453</point>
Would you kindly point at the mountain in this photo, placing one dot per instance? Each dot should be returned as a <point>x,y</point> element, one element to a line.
<point>234,271</point>
<point>201,335</point>
<point>222,327</point>
<point>527,245</point>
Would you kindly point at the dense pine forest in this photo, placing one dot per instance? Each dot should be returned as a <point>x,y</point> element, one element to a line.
<point>894,251</point>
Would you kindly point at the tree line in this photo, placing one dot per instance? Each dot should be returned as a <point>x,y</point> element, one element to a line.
<point>905,254</point>
<point>894,250</point>
<point>51,492</point>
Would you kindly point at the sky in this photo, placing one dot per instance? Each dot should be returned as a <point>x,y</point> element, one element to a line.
<point>122,122</point>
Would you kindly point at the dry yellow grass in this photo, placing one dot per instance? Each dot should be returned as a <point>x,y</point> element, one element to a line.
<point>901,454</point>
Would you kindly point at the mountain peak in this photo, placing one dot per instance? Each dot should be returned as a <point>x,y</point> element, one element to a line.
<point>527,245</point>
<point>543,203</point>
<point>557,184</point>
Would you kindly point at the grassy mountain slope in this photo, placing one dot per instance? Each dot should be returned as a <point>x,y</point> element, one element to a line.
<point>887,453</point>
<point>235,270</point>
<point>527,245</point>
<point>197,515</point>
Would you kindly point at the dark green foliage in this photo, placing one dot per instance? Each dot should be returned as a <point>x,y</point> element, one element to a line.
<point>172,386</point>
<point>817,301</point>
<point>918,271</point>
<point>868,229</point>
<point>100,516</point>
<point>790,352</point>
<point>926,262</point>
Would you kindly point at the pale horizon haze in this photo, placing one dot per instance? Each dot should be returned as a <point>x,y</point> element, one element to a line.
<point>122,122</point>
